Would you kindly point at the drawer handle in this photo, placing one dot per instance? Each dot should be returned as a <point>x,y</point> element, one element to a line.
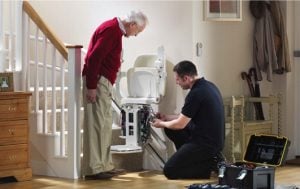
<point>12,108</point>
<point>12,157</point>
<point>11,131</point>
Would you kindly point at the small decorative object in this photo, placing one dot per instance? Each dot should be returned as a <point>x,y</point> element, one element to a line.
<point>223,10</point>
<point>6,82</point>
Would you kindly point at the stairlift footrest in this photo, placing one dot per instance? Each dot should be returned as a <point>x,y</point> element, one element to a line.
<point>143,100</point>
<point>126,149</point>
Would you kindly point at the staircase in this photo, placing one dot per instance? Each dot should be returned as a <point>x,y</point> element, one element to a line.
<point>51,70</point>
<point>43,65</point>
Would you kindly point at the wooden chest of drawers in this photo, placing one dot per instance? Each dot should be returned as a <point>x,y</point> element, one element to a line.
<point>14,135</point>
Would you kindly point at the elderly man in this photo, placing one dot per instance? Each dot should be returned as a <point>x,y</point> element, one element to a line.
<point>102,63</point>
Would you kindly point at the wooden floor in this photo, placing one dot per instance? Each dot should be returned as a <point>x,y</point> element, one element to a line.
<point>286,175</point>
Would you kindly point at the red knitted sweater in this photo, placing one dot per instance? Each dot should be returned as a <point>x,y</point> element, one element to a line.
<point>104,53</point>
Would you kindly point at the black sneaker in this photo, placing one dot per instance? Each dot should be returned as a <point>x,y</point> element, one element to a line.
<point>99,176</point>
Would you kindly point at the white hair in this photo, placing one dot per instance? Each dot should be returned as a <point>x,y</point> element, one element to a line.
<point>137,17</point>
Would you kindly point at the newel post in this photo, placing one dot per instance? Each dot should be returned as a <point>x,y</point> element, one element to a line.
<point>74,99</point>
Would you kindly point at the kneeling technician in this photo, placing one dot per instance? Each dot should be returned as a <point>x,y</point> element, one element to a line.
<point>198,131</point>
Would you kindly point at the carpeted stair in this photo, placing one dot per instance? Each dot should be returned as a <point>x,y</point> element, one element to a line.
<point>128,161</point>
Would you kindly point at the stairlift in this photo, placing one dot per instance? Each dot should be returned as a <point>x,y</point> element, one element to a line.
<point>146,83</point>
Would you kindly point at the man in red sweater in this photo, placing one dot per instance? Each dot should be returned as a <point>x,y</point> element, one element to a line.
<point>102,63</point>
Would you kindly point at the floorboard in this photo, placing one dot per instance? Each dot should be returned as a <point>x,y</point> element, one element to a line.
<point>285,175</point>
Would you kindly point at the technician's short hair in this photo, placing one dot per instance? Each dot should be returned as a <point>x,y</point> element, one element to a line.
<point>184,68</point>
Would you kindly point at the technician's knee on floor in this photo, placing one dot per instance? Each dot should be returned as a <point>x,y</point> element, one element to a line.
<point>201,172</point>
<point>170,173</point>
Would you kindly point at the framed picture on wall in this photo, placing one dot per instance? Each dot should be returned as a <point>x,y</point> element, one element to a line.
<point>223,10</point>
<point>6,82</point>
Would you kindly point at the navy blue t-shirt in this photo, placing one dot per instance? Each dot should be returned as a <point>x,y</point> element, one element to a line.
<point>204,105</point>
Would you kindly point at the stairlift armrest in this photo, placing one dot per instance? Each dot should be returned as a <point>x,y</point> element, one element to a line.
<point>118,90</point>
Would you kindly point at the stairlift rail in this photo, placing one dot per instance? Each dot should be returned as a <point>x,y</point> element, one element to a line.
<point>116,106</point>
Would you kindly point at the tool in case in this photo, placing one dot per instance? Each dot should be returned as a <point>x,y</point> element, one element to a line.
<point>263,154</point>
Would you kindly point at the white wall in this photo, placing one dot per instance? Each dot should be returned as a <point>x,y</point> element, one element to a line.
<point>178,25</point>
<point>227,49</point>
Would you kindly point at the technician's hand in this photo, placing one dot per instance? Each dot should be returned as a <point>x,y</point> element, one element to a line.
<point>161,116</point>
<point>91,95</point>
<point>157,123</point>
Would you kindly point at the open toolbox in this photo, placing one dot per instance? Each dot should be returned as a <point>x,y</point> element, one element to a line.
<point>263,154</point>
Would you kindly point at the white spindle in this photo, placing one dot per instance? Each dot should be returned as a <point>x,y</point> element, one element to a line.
<point>18,38</point>
<point>53,77</point>
<point>27,52</point>
<point>36,63</point>
<point>24,79</point>
<point>62,93</point>
<point>1,21</point>
<point>1,38</point>
<point>11,36</point>
<point>1,26</point>
<point>45,95</point>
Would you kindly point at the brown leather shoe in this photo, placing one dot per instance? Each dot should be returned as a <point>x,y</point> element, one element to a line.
<point>99,176</point>
<point>116,172</point>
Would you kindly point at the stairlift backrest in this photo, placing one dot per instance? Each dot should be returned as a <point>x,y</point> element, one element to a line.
<point>145,61</point>
<point>142,82</point>
<point>147,78</point>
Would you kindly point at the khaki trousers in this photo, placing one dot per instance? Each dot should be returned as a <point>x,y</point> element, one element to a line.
<point>97,130</point>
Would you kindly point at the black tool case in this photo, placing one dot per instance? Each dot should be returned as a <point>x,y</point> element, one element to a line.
<point>263,154</point>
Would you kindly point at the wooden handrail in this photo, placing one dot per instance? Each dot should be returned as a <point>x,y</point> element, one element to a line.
<point>45,29</point>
